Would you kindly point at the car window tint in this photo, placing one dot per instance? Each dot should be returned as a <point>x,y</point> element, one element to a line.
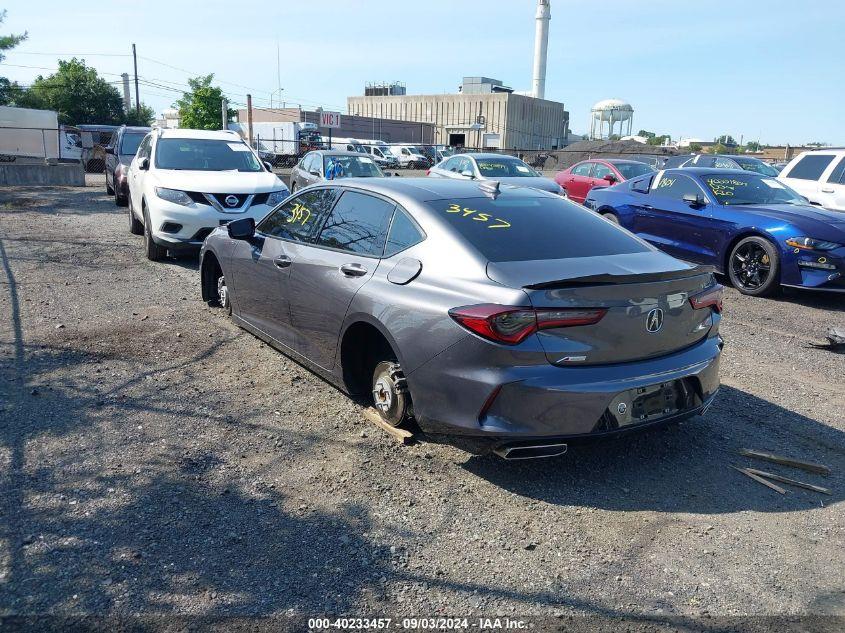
<point>642,185</point>
<point>720,163</point>
<point>301,217</point>
<point>631,170</point>
<point>675,186</point>
<point>404,233</point>
<point>523,226</point>
<point>601,171</point>
<point>810,167</point>
<point>837,176</point>
<point>583,169</point>
<point>358,223</point>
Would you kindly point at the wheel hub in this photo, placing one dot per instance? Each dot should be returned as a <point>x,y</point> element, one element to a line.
<point>383,394</point>
<point>222,292</point>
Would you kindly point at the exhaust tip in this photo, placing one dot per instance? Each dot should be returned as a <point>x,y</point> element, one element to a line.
<point>530,451</point>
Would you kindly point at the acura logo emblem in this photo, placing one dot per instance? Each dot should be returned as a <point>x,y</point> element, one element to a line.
<point>231,201</point>
<point>654,320</point>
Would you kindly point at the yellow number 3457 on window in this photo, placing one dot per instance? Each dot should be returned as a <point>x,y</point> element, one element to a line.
<point>493,223</point>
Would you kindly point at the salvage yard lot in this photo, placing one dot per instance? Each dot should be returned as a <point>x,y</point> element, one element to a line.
<point>154,458</point>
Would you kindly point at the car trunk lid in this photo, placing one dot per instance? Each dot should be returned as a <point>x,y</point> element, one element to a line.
<point>645,295</point>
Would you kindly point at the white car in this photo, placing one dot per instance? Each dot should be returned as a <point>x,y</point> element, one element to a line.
<point>819,176</point>
<point>506,169</point>
<point>185,183</point>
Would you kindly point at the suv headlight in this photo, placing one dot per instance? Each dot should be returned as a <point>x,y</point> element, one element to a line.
<point>276,197</point>
<point>811,244</point>
<point>174,195</point>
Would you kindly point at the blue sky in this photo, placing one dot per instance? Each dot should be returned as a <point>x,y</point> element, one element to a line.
<point>747,68</point>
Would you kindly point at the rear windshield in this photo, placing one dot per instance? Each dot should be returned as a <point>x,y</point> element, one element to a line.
<point>753,164</point>
<point>131,141</point>
<point>521,228</point>
<point>205,155</point>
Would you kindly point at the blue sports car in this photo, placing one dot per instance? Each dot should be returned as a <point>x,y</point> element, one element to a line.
<point>752,228</point>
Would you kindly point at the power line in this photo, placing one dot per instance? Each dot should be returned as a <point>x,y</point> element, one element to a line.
<point>74,54</point>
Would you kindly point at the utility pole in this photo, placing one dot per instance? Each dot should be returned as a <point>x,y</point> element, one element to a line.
<point>225,112</point>
<point>137,98</point>
<point>249,116</point>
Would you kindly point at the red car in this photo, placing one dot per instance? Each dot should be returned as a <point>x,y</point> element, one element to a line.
<point>581,177</point>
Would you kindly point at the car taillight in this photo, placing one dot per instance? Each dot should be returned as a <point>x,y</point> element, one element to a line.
<point>427,172</point>
<point>512,325</point>
<point>710,298</point>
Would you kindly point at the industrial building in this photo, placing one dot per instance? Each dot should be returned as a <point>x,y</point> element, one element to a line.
<point>384,129</point>
<point>484,113</point>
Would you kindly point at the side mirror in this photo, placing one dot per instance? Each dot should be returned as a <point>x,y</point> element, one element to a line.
<point>468,173</point>
<point>110,150</point>
<point>611,178</point>
<point>243,229</point>
<point>397,174</point>
<point>268,165</point>
<point>315,172</point>
<point>693,199</point>
<point>144,163</point>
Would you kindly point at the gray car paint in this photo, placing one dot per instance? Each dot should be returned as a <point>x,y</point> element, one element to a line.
<point>450,371</point>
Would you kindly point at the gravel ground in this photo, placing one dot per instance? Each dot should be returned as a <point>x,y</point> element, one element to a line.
<point>156,459</point>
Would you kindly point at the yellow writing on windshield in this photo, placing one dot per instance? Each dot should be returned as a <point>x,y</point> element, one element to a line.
<point>725,187</point>
<point>464,212</point>
<point>665,182</point>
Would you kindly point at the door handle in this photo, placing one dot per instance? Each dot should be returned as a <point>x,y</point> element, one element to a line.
<point>282,262</point>
<point>827,190</point>
<point>648,206</point>
<point>353,270</point>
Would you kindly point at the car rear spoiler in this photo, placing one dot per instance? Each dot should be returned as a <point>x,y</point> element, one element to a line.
<point>606,279</point>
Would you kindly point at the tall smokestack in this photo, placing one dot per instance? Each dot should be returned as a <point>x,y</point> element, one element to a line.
<point>541,47</point>
<point>127,98</point>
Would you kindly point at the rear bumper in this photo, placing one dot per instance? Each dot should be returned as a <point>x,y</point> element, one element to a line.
<point>457,394</point>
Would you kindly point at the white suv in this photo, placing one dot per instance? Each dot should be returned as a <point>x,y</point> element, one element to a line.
<point>185,183</point>
<point>819,176</point>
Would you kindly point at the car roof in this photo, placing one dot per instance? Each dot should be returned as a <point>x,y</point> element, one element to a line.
<point>617,161</point>
<point>217,135</point>
<point>428,189</point>
<point>477,155</point>
<point>713,171</point>
<point>136,128</point>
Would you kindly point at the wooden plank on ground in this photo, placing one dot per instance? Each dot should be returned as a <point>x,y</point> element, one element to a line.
<point>766,483</point>
<point>402,435</point>
<point>791,482</point>
<point>820,469</point>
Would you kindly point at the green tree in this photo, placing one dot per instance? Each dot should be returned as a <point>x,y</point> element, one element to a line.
<point>146,117</point>
<point>695,147</point>
<point>77,94</point>
<point>658,140</point>
<point>200,108</point>
<point>726,139</point>
<point>9,90</point>
<point>646,134</point>
<point>8,42</point>
<point>753,146</point>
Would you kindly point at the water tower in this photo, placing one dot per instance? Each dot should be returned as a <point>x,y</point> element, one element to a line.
<point>609,113</point>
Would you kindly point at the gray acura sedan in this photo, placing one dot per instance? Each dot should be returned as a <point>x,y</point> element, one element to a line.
<point>505,316</point>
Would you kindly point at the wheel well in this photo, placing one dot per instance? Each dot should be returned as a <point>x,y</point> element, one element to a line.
<point>209,274</point>
<point>361,349</point>
<point>606,209</point>
<point>726,260</point>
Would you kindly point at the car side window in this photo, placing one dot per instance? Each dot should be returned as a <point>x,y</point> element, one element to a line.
<point>301,217</point>
<point>601,171</point>
<point>837,176</point>
<point>358,224</point>
<point>404,233</point>
<point>306,162</point>
<point>583,169</point>
<point>810,167</point>
<point>642,185</point>
<point>144,147</point>
<point>723,163</point>
<point>676,186</point>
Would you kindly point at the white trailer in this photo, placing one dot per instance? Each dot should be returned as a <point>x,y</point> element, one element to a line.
<point>286,141</point>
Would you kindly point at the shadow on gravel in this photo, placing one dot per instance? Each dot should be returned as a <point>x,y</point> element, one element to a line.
<point>68,200</point>
<point>686,467</point>
<point>835,302</point>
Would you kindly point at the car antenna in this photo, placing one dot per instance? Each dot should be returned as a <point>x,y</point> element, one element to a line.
<point>492,187</point>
